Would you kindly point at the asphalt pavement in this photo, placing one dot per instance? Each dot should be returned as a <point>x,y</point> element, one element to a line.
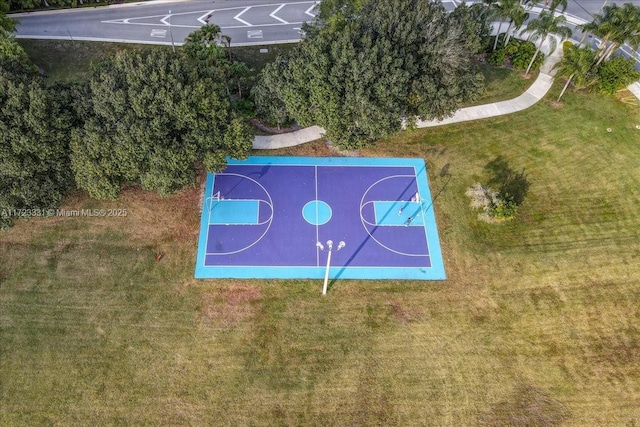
<point>248,22</point>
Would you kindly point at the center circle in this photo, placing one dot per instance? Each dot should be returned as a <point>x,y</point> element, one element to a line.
<point>316,212</point>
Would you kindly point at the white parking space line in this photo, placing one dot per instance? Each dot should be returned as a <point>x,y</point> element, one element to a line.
<point>273,14</point>
<point>237,17</point>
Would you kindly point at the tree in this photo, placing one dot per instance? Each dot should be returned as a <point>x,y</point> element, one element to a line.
<point>482,15</point>
<point>360,76</point>
<point>516,13</point>
<point>14,58</point>
<point>151,118</point>
<point>7,25</point>
<point>546,24</point>
<point>615,26</point>
<point>203,45</point>
<point>576,65</point>
<point>207,46</point>
<point>615,74</point>
<point>35,123</point>
<point>500,12</point>
<point>267,98</point>
<point>512,10</point>
<point>555,4</point>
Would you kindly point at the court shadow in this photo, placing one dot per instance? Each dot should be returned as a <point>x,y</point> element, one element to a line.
<point>435,197</point>
<point>262,172</point>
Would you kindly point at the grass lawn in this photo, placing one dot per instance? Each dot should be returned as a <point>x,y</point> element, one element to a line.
<point>67,60</point>
<point>71,60</point>
<point>536,325</point>
<point>502,83</point>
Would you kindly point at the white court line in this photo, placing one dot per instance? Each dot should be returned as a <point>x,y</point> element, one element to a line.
<point>237,17</point>
<point>405,205</point>
<point>257,221</point>
<point>269,203</point>
<point>273,14</point>
<point>365,222</point>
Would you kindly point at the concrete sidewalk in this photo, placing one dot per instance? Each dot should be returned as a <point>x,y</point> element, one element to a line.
<point>535,93</point>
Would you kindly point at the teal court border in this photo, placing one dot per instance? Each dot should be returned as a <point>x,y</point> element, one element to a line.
<point>317,213</point>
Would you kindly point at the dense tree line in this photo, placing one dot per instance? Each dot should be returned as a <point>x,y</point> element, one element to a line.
<point>149,118</point>
<point>46,4</point>
<point>35,124</point>
<point>366,66</point>
<point>7,25</point>
<point>152,118</point>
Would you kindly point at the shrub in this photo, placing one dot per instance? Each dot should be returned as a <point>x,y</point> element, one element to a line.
<point>616,74</point>
<point>521,58</point>
<point>494,207</point>
<point>518,54</point>
<point>501,205</point>
<point>244,107</point>
<point>503,208</point>
<point>566,45</point>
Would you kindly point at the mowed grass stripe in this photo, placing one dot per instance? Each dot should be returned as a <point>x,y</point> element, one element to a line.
<point>537,320</point>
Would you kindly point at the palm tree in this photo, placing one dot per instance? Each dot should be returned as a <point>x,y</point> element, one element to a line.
<point>615,26</point>
<point>624,28</point>
<point>227,42</point>
<point>546,24</point>
<point>587,28</point>
<point>575,65</point>
<point>515,11</point>
<point>499,12</point>
<point>554,4</point>
<point>204,43</point>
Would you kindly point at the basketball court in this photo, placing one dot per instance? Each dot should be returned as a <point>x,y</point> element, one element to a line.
<point>279,217</point>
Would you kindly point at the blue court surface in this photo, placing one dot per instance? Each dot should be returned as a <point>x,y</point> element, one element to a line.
<point>263,218</point>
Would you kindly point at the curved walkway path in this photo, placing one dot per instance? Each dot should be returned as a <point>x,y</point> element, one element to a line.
<point>535,93</point>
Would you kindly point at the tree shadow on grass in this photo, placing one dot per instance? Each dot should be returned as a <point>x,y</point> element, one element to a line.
<point>510,184</point>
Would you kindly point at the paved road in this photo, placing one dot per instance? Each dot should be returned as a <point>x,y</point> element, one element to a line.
<point>245,21</point>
